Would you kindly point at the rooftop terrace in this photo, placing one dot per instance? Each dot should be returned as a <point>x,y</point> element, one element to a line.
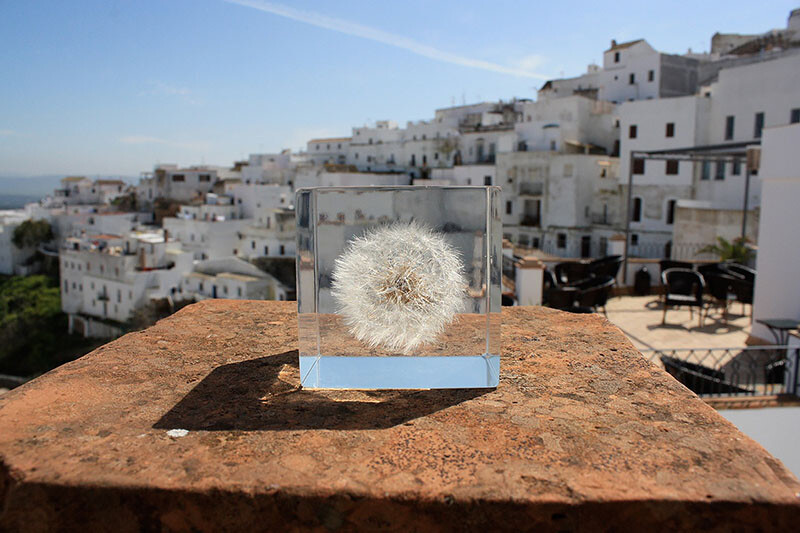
<point>582,433</point>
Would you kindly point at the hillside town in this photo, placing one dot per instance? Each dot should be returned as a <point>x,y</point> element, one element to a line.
<point>568,161</point>
<point>260,269</point>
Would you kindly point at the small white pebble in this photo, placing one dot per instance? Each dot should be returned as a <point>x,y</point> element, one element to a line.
<point>178,432</point>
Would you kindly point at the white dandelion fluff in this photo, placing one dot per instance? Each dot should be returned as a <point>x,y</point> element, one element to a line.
<point>398,286</point>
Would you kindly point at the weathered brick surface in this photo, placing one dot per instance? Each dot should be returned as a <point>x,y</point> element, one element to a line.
<point>582,434</point>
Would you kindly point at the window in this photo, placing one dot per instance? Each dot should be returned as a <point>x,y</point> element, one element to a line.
<point>729,123</point>
<point>634,239</point>
<point>225,289</point>
<point>671,212</point>
<point>638,165</point>
<point>636,214</point>
<point>758,125</point>
<point>119,296</point>
<point>252,245</point>
<point>239,291</point>
<point>719,173</point>
<point>705,173</point>
<point>487,180</point>
<point>356,155</point>
<point>670,129</point>
<point>651,75</point>
<point>672,167</point>
<point>424,160</point>
<point>616,57</point>
<point>178,177</point>
<point>266,250</point>
<point>283,249</point>
<point>509,208</point>
<point>794,116</point>
<point>631,78</point>
<point>469,181</point>
<point>204,177</point>
<point>632,131</point>
<point>553,146</point>
<point>736,168</point>
<point>562,240</point>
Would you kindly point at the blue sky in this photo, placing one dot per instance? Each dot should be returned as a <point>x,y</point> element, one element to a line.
<point>113,87</point>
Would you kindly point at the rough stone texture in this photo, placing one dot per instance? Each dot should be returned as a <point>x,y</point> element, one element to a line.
<point>582,433</point>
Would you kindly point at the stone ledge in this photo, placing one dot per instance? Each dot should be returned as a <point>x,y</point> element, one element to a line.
<point>582,433</point>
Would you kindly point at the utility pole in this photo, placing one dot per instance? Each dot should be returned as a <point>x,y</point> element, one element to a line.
<point>628,219</point>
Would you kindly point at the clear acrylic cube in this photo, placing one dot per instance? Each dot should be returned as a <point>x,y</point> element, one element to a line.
<point>399,287</point>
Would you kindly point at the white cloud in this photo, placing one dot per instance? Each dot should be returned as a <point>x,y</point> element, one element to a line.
<point>159,88</point>
<point>144,139</point>
<point>530,62</point>
<point>365,32</point>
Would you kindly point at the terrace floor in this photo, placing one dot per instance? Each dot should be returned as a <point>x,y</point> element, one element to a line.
<point>639,317</point>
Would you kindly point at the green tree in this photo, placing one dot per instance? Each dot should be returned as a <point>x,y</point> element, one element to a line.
<point>32,233</point>
<point>33,330</point>
<point>736,250</point>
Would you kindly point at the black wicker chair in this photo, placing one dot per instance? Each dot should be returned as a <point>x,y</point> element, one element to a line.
<point>594,294</point>
<point>740,271</point>
<point>720,287</point>
<point>605,266</point>
<point>682,287</point>
<point>563,298</point>
<point>571,272</point>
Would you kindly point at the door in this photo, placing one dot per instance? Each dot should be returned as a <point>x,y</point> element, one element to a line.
<point>586,246</point>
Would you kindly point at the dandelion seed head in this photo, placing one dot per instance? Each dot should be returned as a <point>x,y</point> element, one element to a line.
<point>398,286</point>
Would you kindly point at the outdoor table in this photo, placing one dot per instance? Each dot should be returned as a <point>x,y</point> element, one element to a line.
<point>780,328</point>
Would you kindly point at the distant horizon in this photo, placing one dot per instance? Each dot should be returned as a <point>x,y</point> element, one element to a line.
<point>103,87</point>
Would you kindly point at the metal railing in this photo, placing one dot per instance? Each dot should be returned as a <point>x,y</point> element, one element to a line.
<point>747,371</point>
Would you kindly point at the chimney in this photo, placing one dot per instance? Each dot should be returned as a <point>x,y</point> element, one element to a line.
<point>613,43</point>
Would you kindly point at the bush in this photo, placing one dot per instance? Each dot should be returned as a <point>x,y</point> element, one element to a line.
<point>33,330</point>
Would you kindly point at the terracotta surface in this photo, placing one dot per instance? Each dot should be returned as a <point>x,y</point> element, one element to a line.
<point>582,434</point>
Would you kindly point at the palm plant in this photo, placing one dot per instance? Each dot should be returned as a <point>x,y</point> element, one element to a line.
<point>736,250</point>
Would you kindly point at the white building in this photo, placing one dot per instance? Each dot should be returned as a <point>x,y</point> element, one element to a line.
<point>82,190</point>
<point>777,291</point>
<point>632,70</point>
<point>182,184</point>
<point>105,278</point>
<point>734,109</point>
<point>231,278</point>
<point>206,239</point>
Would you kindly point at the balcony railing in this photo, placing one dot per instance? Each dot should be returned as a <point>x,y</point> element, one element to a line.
<point>531,220</point>
<point>748,371</point>
<point>531,189</point>
<point>601,220</point>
